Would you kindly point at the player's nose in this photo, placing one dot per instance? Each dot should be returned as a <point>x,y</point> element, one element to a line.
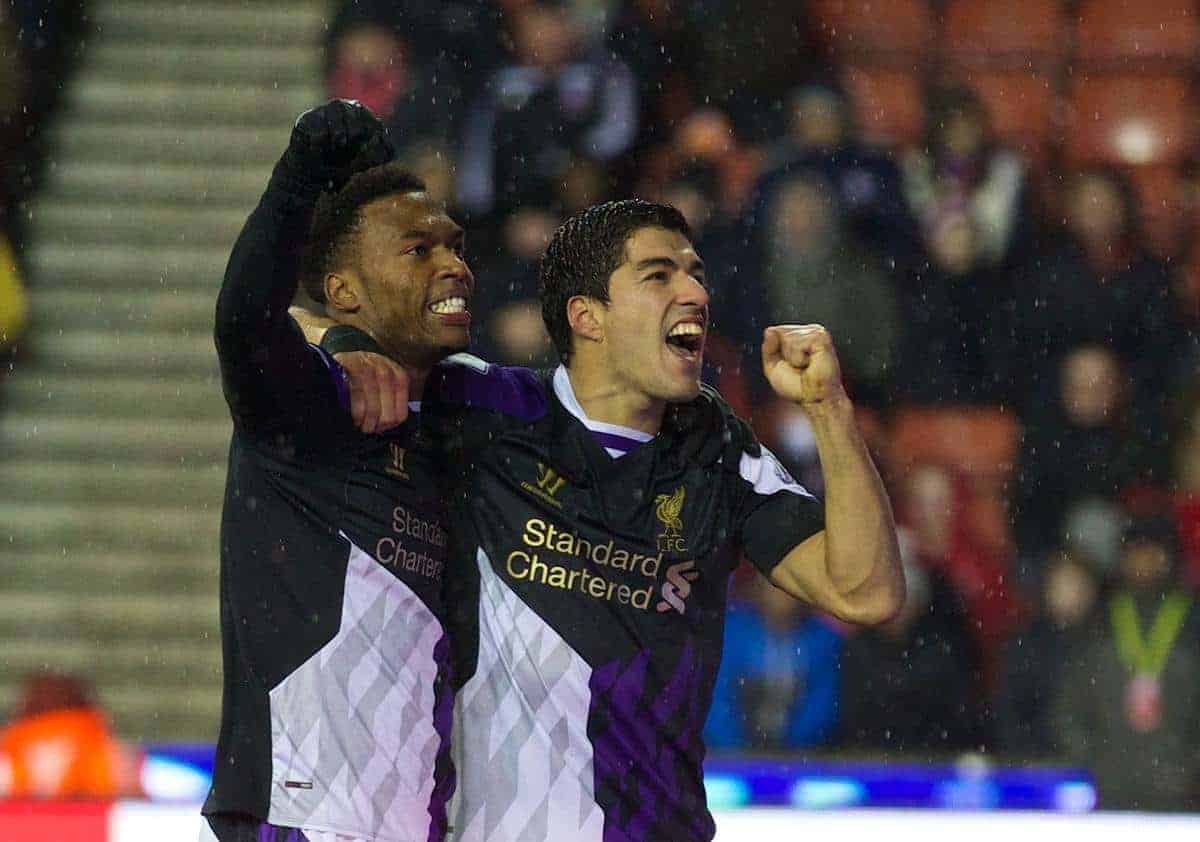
<point>694,293</point>
<point>455,269</point>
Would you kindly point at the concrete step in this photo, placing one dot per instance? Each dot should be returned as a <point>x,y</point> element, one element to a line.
<point>175,184</point>
<point>132,395</point>
<point>100,527</point>
<point>159,664</point>
<point>111,268</point>
<point>155,715</point>
<point>112,483</point>
<point>174,311</point>
<point>81,224</point>
<point>125,441</point>
<point>105,617</point>
<point>113,101</point>
<point>128,571</point>
<point>212,62</point>
<point>224,145</point>
<point>99,353</point>
<point>84,351</point>
<point>208,22</point>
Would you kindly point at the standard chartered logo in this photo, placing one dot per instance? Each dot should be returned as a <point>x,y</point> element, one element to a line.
<point>544,545</point>
<point>392,552</point>
<point>678,586</point>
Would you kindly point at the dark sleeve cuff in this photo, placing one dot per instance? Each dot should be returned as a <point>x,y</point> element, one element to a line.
<point>341,381</point>
<point>342,339</point>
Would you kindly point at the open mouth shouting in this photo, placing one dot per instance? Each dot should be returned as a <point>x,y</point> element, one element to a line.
<point>686,339</point>
<point>451,310</point>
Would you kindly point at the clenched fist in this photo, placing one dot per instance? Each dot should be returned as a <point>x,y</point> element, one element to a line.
<point>801,364</point>
<point>329,144</point>
<point>378,390</point>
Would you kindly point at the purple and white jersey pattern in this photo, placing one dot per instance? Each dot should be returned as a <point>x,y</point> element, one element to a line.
<point>602,559</point>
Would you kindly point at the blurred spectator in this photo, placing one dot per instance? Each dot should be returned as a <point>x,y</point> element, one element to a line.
<point>908,685</point>
<point>963,179</point>
<point>778,684</point>
<point>1079,446</point>
<point>507,298</point>
<point>556,102</point>
<point>14,306</point>
<point>751,56</point>
<point>59,745</point>
<point>1126,708</point>
<point>820,139</point>
<point>457,44</point>
<point>659,45</point>
<point>40,44</point>
<point>370,62</point>
<point>1099,285</point>
<point>814,271</point>
<point>12,95</point>
<point>952,534</point>
<point>970,199</point>
<point>1092,530</point>
<point>1036,657</point>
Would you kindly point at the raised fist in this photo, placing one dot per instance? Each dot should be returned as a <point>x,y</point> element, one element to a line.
<point>801,365</point>
<point>329,144</point>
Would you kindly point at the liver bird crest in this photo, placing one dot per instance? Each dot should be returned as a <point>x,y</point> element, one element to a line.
<point>667,508</point>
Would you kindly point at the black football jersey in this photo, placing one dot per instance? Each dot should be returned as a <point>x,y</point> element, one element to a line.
<point>589,595</point>
<point>337,694</point>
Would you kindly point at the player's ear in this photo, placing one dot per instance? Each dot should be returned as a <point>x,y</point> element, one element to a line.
<point>586,318</point>
<point>342,292</point>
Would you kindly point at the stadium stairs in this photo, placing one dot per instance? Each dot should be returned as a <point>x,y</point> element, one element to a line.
<point>114,434</point>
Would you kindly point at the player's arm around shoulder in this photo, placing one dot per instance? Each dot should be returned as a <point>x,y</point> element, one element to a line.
<point>851,568</point>
<point>376,387</point>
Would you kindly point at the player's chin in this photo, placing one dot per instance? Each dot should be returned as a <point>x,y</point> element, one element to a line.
<point>454,337</point>
<point>680,389</point>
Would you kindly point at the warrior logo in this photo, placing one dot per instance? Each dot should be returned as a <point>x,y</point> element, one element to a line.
<point>396,468</point>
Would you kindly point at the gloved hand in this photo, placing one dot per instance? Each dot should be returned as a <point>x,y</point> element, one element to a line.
<point>329,144</point>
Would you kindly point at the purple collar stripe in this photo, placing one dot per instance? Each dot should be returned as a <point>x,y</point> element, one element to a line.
<point>621,443</point>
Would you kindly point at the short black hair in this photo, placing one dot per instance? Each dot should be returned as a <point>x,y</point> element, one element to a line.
<point>337,217</point>
<point>586,250</point>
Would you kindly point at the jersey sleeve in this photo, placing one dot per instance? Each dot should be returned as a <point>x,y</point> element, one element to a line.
<point>272,378</point>
<point>777,512</point>
<point>467,382</point>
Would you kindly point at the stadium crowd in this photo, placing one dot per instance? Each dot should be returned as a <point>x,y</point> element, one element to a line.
<point>1009,270</point>
<point>1011,297</point>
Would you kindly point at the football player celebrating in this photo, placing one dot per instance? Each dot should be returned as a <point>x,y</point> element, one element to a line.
<point>337,699</point>
<point>601,514</point>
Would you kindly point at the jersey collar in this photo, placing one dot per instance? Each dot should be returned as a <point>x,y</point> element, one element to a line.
<point>612,436</point>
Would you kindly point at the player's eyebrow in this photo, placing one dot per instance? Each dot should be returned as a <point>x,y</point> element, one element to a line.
<point>696,268</point>
<point>416,234</point>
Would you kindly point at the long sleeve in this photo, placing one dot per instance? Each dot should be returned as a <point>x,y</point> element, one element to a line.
<point>271,377</point>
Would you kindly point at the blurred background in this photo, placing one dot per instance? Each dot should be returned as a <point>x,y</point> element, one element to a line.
<point>992,204</point>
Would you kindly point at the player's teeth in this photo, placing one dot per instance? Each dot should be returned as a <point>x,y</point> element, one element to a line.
<point>686,329</point>
<point>449,305</point>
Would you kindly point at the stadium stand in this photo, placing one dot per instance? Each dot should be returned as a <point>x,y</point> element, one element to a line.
<point>115,430</point>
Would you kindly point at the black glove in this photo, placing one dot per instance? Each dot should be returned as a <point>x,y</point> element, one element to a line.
<point>329,144</point>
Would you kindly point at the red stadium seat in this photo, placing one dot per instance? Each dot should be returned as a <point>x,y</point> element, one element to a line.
<point>1162,205</point>
<point>1130,119</point>
<point>1121,31</point>
<point>1013,32</point>
<point>975,441</point>
<point>889,107</point>
<point>875,28</point>
<point>1021,105</point>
